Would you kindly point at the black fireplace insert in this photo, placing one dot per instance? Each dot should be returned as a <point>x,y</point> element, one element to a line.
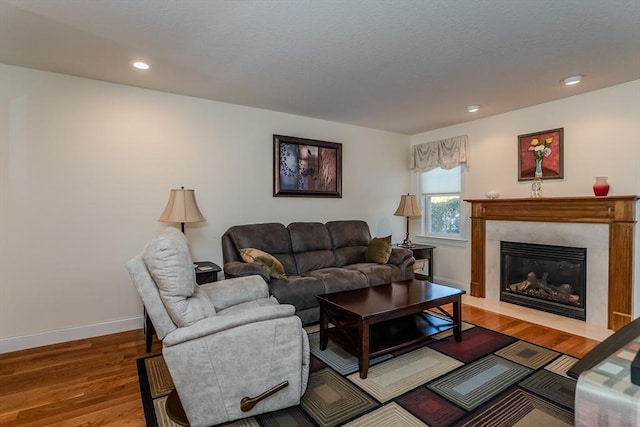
<point>544,277</point>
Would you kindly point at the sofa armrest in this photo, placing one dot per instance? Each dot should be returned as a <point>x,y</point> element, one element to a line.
<point>399,256</point>
<point>228,292</point>
<point>404,260</point>
<point>215,324</point>
<point>606,348</point>
<point>240,269</point>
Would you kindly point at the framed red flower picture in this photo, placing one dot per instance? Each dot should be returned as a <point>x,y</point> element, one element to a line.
<point>540,155</point>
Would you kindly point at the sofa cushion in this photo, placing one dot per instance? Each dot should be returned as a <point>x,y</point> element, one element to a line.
<point>311,246</point>
<point>268,261</point>
<point>309,236</point>
<point>379,250</point>
<point>377,274</point>
<point>272,238</point>
<point>349,255</point>
<point>349,240</point>
<point>339,279</point>
<point>313,260</point>
<point>348,233</point>
<point>297,290</point>
<point>168,260</point>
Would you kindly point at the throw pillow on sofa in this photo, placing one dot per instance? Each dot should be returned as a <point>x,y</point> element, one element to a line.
<point>268,261</point>
<point>379,250</point>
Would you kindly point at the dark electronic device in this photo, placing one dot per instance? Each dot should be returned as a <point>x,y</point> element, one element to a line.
<point>635,369</point>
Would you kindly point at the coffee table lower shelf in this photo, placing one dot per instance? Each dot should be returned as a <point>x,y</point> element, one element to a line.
<point>391,335</point>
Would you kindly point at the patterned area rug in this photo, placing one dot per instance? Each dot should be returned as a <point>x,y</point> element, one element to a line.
<point>488,379</point>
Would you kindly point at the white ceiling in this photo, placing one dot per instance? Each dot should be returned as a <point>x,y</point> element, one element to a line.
<point>400,65</point>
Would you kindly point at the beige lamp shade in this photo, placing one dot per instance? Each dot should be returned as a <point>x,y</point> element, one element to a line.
<point>408,207</point>
<point>182,208</point>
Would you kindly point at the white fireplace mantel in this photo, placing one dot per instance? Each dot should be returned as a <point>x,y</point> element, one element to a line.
<point>616,211</point>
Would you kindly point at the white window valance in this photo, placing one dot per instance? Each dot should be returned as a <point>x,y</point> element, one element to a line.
<point>446,154</point>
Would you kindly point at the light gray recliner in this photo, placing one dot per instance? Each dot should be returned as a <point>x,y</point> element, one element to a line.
<point>222,341</point>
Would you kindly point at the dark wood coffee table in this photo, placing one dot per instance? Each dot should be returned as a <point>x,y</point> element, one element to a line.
<point>372,321</point>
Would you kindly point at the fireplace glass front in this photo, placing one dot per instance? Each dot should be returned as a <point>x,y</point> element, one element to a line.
<point>544,277</point>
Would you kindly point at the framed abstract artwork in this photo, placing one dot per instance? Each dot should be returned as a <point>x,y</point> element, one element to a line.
<point>540,155</point>
<point>306,167</point>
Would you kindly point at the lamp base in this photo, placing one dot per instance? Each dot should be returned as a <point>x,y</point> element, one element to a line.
<point>407,244</point>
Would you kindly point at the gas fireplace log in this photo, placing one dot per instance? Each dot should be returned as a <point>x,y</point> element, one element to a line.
<point>532,282</point>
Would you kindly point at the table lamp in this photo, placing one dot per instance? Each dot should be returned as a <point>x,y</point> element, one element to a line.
<point>181,207</point>
<point>408,207</point>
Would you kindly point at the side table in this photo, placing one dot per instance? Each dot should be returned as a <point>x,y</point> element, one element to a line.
<point>424,252</point>
<point>206,272</point>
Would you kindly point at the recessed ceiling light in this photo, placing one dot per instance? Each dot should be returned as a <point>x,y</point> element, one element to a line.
<point>473,108</point>
<point>140,65</point>
<point>572,80</point>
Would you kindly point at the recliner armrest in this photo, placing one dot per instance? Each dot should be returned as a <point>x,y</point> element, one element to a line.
<point>229,292</point>
<point>215,324</point>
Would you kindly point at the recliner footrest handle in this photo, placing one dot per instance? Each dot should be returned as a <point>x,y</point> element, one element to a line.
<point>247,403</point>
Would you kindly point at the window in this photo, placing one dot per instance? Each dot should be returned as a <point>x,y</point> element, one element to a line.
<point>441,203</point>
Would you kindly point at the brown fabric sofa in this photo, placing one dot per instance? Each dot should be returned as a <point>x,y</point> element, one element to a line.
<point>317,258</point>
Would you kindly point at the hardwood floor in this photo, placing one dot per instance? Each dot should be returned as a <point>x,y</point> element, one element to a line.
<point>87,382</point>
<point>94,381</point>
<point>564,342</point>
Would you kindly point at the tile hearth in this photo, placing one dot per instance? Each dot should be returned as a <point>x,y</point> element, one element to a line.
<point>572,326</point>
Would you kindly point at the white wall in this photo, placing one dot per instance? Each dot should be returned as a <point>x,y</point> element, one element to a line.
<point>601,137</point>
<point>86,168</point>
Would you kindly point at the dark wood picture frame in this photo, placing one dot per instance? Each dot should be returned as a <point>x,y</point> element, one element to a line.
<point>551,163</point>
<point>306,167</point>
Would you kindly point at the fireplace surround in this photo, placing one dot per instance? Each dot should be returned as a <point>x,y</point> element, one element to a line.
<point>618,212</point>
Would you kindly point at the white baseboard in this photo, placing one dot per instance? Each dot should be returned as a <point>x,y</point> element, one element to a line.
<point>70,334</point>
<point>448,282</point>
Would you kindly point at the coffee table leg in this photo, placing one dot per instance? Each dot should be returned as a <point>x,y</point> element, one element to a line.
<point>324,325</point>
<point>363,359</point>
<point>457,319</point>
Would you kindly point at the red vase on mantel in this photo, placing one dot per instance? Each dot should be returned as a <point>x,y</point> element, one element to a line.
<point>601,187</point>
